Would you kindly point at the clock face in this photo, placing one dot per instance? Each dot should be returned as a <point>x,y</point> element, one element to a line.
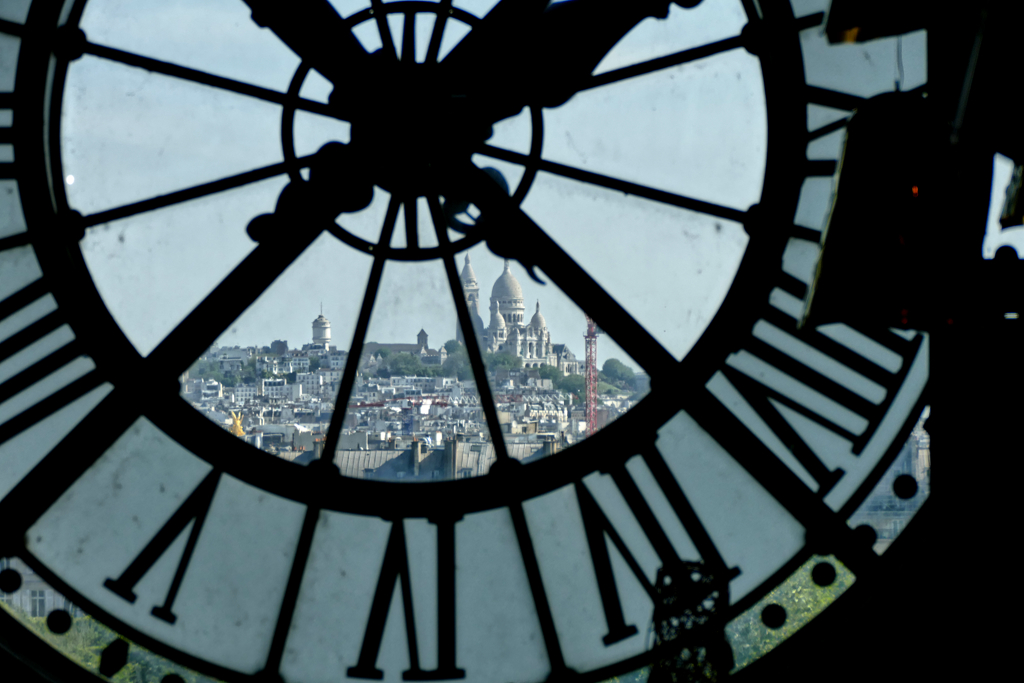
<point>665,174</point>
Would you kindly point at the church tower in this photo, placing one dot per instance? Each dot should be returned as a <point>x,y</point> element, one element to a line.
<point>471,290</point>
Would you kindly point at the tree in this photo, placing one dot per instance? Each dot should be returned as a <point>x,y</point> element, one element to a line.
<point>502,360</point>
<point>314,363</point>
<point>452,346</point>
<point>801,598</point>
<point>84,644</point>
<point>617,371</point>
<point>399,364</point>
<point>457,364</point>
<point>573,384</point>
<point>384,353</point>
<point>552,373</point>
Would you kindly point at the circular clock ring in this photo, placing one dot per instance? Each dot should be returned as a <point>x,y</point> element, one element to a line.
<point>766,224</point>
<point>406,9</point>
<point>680,390</point>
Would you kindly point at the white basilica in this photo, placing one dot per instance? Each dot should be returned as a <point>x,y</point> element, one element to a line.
<point>508,331</point>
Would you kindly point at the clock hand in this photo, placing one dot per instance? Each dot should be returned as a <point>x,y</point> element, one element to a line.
<point>519,56</point>
<point>315,31</point>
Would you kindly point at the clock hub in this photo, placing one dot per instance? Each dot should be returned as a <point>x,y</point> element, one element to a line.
<point>412,127</point>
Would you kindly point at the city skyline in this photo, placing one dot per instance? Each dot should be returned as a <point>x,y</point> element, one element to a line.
<point>413,297</point>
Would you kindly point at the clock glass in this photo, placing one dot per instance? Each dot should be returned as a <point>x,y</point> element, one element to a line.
<point>437,340</point>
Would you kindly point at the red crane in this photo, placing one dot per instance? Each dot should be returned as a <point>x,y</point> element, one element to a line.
<point>591,375</point>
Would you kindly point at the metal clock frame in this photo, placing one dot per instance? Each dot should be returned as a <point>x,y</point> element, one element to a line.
<point>54,231</point>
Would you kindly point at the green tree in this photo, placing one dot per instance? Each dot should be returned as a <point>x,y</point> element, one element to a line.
<point>457,364</point>
<point>452,345</point>
<point>552,373</point>
<point>617,371</point>
<point>573,384</point>
<point>84,645</point>
<point>801,598</point>
<point>502,360</point>
<point>401,364</point>
<point>314,363</point>
<point>384,353</point>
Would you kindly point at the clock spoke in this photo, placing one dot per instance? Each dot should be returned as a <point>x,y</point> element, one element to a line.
<point>194,192</point>
<point>616,184</point>
<point>13,241</point>
<point>652,65</point>
<point>535,249</point>
<point>237,291</point>
<point>434,47</point>
<point>411,225</point>
<point>204,78</point>
<point>409,38</point>
<point>355,353</point>
<point>387,42</point>
<point>476,358</point>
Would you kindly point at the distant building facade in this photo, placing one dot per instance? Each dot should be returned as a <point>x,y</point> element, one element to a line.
<point>508,331</point>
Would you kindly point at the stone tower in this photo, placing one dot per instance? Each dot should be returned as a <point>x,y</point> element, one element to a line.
<point>321,329</point>
<point>471,290</point>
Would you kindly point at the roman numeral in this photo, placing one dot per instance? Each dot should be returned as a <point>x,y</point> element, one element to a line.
<point>680,586</point>
<point>45,367</point>
<point>842,379</point>
<point>193,510</point>
<point>396,568</point>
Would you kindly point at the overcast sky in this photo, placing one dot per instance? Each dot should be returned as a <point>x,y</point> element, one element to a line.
<point>697,129</point>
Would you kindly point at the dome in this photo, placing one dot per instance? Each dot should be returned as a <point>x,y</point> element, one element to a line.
<point>507,287</point>
<point>468,277</point>
<point>537,321</point>
<point>497,320</point>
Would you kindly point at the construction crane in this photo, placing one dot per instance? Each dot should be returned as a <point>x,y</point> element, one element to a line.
<point>591,375</point>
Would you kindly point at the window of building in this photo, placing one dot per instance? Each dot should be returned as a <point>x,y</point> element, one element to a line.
<point>37,603</point>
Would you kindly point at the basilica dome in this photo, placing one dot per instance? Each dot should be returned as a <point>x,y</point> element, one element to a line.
<point>506,287</point>
<point>538,322</point>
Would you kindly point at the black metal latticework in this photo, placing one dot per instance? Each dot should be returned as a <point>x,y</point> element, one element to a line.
<point>457,101</point>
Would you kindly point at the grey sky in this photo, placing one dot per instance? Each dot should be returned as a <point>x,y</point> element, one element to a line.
<point>697,130</point>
